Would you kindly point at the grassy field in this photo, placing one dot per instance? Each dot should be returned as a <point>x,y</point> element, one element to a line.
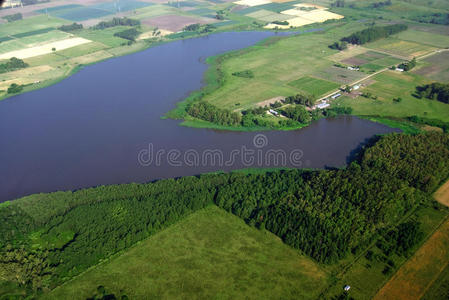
<point>440,288</point>
<point>431,39</point>
<point>365,276</point>
<point>314,86</point>
<point>275,66</point>
<point>389,85</point>
<point>419,273</point>
<point>209,255</point>
<point>401,48</point>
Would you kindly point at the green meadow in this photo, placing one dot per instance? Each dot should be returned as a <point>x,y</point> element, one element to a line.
<point>209,255</point>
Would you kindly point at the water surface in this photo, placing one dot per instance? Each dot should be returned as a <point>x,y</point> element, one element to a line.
<point>89,129</point>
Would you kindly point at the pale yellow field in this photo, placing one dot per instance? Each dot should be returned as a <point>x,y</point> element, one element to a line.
<point>442,195</point>
<point>322,16</point>
<point>306,5</point>
<point>252,2</point>
<point>150,34</point>
<point>45,49</point>
<point>294,12</point>
<point>295,22</point>
<point>303,17</point>
<point>350,52</point>
<point>91,57</point>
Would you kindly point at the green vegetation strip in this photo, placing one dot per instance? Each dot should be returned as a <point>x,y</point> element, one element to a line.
<point>329,215</point>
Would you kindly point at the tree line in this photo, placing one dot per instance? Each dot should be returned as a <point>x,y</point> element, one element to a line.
<point>434,91</point>
<point>373,33</point>
<point>49,238</point>
<point>71,27</point>
<point>116,22</point>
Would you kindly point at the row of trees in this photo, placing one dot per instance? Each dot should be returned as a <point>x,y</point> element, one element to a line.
<point>116,22</point>
<point>200,28</point>
<point>435,91</point>
<point>71,27</point>
<point>374,33</point>
<point>325,213</point>
<point>12,65</point>
<point>208,112</point>
<point>434,18</point>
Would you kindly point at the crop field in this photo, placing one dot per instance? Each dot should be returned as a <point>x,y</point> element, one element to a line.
<point>153,11</point>
<point>440,288</point>
<point>365,275</point>
<point>340,75</point>
<point>104,36</point>
<point>211,254</point>
<point>418,273</point>
<point>81,14</point>
<point>402,48</point>
<point>442,194</point>
<point>267,16</point>
<point>435,67</point>
<point>431,39</point>
<point>29,25</point>
<point>175,23</point>
<point>275,65</point>
<point>121,6</point>
<point>314,86</point>
<point>389,85</point>
<point>45,48</point>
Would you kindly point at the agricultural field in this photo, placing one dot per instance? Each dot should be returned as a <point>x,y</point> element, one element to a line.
<point>401,48</point>
<point>314,86</point>
<point>209,254</point>
<point>442,194</point>
<point>275,65</point>
<point>417,275</point>
<point>389,85</point>
<point>435,67</point>
<point>365,273</point>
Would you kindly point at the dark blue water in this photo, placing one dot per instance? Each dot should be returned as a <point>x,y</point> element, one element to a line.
<point>103,126</point>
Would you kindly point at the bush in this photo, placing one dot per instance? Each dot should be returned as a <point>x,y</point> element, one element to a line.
<point>15,88</point>
<point>12,65</point>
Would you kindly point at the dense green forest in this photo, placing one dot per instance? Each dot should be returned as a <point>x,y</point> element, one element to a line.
<point>12,65</point>
<point>116,22</point>
<point>48,238</point>
<point>434,91</point>
<point>374,33</point>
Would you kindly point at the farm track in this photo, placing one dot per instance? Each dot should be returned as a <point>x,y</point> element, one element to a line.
<point>378,72</point>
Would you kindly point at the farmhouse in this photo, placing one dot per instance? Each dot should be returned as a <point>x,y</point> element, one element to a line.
<point>335,96</point>
<point>323,105</point>
<point>275,113</point>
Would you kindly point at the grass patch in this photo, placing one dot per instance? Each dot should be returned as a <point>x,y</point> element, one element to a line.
<point>389,85</point>
<point>314,86</point>
<point>209,254</point>
<point>428,38</point>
